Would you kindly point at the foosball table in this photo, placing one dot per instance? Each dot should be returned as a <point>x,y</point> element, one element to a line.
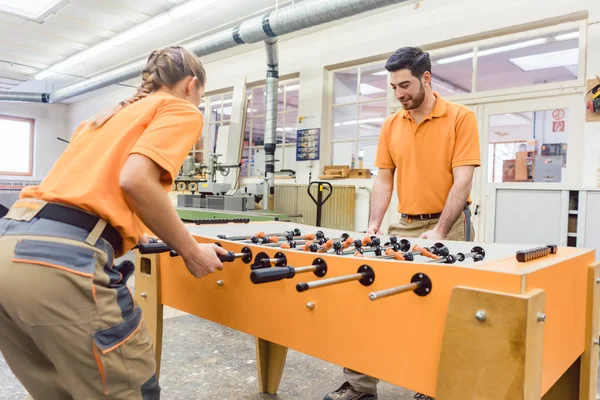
<point>453,320</point>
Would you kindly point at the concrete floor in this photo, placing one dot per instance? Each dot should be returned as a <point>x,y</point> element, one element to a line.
<point>204,360</point>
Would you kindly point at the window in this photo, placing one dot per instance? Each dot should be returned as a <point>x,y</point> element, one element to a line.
<point>217,119</point>
<point>253,154</point>
<point>359,109</point>
<point>528,146</point>
<point>16,152</point>
<point>514,61</point>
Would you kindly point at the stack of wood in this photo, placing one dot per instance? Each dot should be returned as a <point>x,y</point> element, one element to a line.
<point>344,172</point>
<point>359,173</point>
<point>335,172</point>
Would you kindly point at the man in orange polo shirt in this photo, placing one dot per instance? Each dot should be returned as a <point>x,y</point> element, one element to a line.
<point>432,146</point>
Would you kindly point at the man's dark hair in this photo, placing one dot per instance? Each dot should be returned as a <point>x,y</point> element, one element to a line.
<point>412,58</point>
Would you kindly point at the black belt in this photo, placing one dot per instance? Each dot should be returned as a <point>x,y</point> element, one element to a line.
<point>422,216</point>
<point>83,220</point>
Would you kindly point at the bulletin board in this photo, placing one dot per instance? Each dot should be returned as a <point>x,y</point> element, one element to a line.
<point>590,116</point>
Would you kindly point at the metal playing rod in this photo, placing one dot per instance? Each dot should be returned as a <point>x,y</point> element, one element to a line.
<point>420,284</point>
<point>365,275</point>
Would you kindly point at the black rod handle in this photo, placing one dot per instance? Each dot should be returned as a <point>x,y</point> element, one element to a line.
<point>272,274</point>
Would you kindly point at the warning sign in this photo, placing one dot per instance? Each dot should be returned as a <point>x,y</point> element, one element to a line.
<point>558,126</point>
<point>558,114</point>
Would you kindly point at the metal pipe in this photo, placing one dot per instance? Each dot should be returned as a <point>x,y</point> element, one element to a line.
<point>24,97</point>
<point>270,138</point>
<point>279,22</point>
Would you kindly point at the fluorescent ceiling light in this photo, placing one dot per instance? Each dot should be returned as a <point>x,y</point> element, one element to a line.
<point>567,36</point>
<point>30,9</point>
<point>141,29</point>
<point>552,59</point>
<point>384,72</point>
<point>189,7</point>
<point>495,50</point>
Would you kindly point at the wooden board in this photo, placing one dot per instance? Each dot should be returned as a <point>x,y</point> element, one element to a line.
<point>497,358</point>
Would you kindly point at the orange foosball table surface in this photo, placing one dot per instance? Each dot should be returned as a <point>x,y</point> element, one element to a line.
<point>453,320</point>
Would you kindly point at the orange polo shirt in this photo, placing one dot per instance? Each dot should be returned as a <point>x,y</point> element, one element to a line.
<point>424,154</point>
<point>161,127</point>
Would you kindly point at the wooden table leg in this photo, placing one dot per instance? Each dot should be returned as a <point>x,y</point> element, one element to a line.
<point>270,358</point>
<point>147,295</point>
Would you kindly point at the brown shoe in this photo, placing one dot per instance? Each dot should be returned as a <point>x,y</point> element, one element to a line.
<point>345,392</point>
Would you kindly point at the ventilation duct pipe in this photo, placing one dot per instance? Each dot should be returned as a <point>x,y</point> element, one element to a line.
<point>296,17</point>
<point>24,97</point>
<point>270,140</point>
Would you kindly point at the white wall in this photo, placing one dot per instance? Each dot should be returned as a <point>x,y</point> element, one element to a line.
<point>591,161</point>
<point>50,122</point>
<point>381,34</point>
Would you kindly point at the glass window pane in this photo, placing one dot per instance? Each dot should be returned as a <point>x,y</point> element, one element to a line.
<point>452,73</point>
<point>530,61</point>
<point>216,103</point>
<point>367,150</point>
<point>280,98</point>
<point>258,131</point>
<point>258,101</point>
<point>292,93</point>
<point>247,129</point>
<point>291,126</point>
<point>289,160</point>
<point>217,128</point>
<point>227,105</point>
<point>529,146</point>
<point>344,86</point>
<point>278,158</point>
<point>249,103</point>
<point>343,153</point>
<point>371,118</point>
<point>373,82</point>
<point>280,129</point>
<point>344,122</point>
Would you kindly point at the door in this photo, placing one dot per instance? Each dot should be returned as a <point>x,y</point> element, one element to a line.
<point>527,145</point>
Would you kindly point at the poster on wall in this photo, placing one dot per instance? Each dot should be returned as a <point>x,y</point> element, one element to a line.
<point>308,143</point>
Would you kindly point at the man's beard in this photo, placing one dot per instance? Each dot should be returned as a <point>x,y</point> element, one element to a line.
<point>417,100</point>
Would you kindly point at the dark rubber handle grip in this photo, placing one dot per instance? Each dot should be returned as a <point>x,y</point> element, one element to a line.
<point>230,256</point>
<point>272,274</point>
<point>153,248</point>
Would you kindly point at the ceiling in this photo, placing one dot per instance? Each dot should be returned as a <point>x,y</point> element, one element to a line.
<point>77,25</point>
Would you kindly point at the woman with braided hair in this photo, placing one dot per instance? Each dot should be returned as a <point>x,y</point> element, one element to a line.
<point>69,327</point>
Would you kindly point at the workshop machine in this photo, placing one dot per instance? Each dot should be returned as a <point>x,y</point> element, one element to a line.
<point>454,320</point>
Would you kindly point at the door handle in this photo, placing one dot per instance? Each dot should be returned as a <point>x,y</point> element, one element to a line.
<point>477,209</point>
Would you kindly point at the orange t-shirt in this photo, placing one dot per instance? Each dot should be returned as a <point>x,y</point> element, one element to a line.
<point>161,127</point>
<point>424,154</point>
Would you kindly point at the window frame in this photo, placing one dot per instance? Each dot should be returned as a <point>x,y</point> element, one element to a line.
<point>283,83</point>
<point>358,103</point>
<point>530,91</point>
<point>204,140</point>
<point>31,122</point>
